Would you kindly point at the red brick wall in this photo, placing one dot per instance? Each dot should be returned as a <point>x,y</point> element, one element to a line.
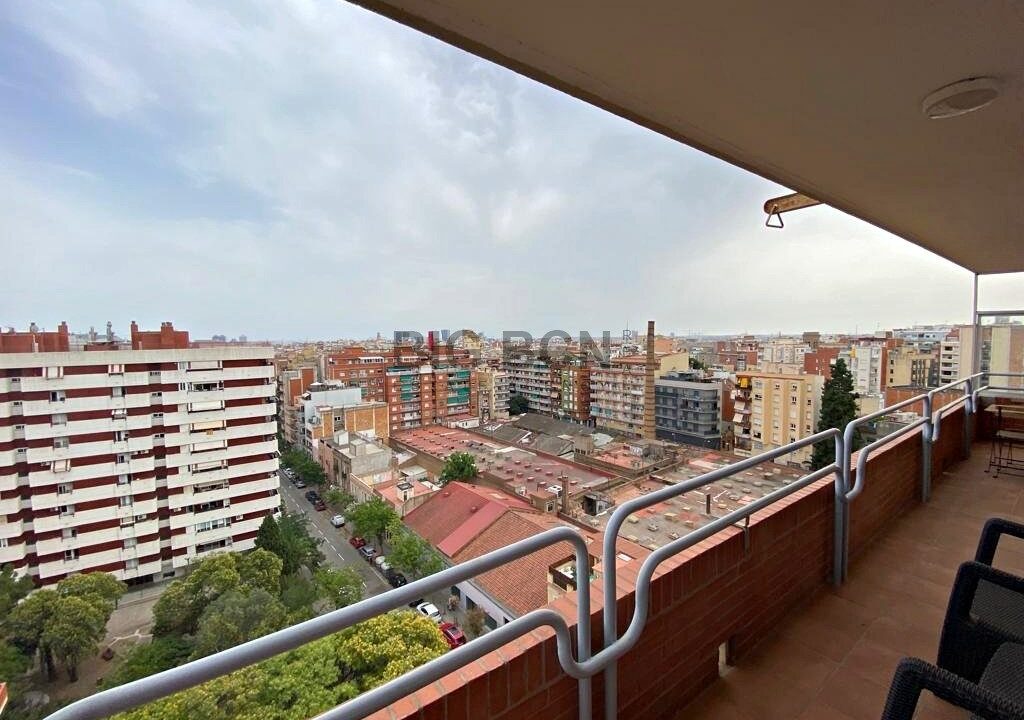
<point>715,592</point>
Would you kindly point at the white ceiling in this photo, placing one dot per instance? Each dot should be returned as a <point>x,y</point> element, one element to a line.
<point>822,97</point>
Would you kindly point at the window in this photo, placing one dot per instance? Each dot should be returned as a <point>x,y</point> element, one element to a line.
<point>157,416</point>
<point>120,414</point>
<point>70,555</point>
<point>131,564</point>
<point>156,394</point>
<point>120,435</point>
<point>3,542</point>
<point>122,458</point>
<point>117,391</point>
<point>69,533</point>
<point>158,436</point>
<point>57,396</point>
<point>64,488</point>
<point>127,521</point>
<point>66,510</point>
<point>61,443</point>
<point>124,479</point>
<point>59,419</point>
<point>140,518</point>
<point>126,500</point>
<point>60,466</point>
<point>130,542</point>
<point>115,370</point>
<point>53,372</point>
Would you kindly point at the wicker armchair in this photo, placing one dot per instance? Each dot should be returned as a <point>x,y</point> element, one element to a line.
<point>988,702</point>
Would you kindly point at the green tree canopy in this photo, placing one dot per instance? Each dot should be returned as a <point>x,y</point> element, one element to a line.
<point>27,624</point>
<point>13,662</point>
<point>179,607</point>
<point>413,555</point>
<point>340,587</point>
<point>148,659</point>
<point>301,548</point>
<point>74,629</point>
<point>95,586</point>
<point>518,405</point>
<point>269,538</point>
<point>236,617</point>
<point>458,466</point>
<point>311,679</point>
<point>838,408</point>
<point>338,499</point>
<point>372,518</point>
<point>12,589</point>
<point>260,569</point>
<point>307,469</point>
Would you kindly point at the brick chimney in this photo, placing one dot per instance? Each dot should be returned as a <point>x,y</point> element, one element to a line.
<point>651,367</point>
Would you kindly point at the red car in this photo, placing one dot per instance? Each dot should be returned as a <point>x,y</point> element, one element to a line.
<point>356,542</point>
<point>452,634</point>
<point>319,505</point>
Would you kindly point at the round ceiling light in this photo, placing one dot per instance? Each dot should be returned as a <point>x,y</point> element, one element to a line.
<point>960,98</point>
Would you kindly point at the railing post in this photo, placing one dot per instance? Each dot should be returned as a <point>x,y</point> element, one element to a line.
<point>926,450</point>
<point>840,530</point>
<point>969,411</point>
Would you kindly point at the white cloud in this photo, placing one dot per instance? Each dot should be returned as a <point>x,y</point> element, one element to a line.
<point>310,169</point>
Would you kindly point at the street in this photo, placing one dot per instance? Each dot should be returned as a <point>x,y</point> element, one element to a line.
<point>336,549</point>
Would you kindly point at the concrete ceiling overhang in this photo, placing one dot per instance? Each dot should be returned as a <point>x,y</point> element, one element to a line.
<point>824,98</point>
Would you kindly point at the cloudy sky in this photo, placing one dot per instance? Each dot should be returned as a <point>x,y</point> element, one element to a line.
<point>307,169</point>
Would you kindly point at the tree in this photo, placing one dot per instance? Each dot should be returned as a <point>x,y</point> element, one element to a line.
<point>338,499</point>
<point>73,630</point>
<point>261,569</point>
<point>298,594</point>
<point>300,548</point>
<point>98,586</point>
<point>309,680</point>
<point>518,405</point>
<point>179,607</point>
<point>148,659</point>
<point>269,537</point>
<point>458,466</point>
<point>476,618</point>
<point>13,662</point>
<point>372,518</point>
<point>698,364</point>
<point>12,589</point>
<point>340,587</point>
<point>27,623</point>
<point>838,408</point>
<point>413,555</point>
<point>236,617</point>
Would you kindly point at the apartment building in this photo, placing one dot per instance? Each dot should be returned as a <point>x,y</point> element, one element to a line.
<point>570,388</point>
<point>789,351</point>
<point>772,410</point>
<point>530,377</point>
<point>352,461</point>
<point>821,360</point>
<point>911,365</point>
<point>1001,351</point>
<point>617,390</point>
<point>357,367</point>
<point>868,362</point>
<point>949,358</point>
<point>494,393</point>
<point>291,384</point>
<point>687,409</point>
<point>436,388</point>
<point>135,457</point>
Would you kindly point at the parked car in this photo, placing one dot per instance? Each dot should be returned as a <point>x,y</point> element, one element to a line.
<point>429,609</point>
<point>380,560</point>
<point>289,473</point>
<point>356,542</point>
<point>384,567</point>
<point>395,578</point>
<point>312,495</point>
<point>367,551</point>
<point>319,505</point>
<point>299,484</point>
<point>338,521</point>
<point>452,634</point>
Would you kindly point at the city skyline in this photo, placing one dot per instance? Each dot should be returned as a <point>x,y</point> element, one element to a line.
<point>354,165</point>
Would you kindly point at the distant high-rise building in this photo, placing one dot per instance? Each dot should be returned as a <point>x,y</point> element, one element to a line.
<point>772,410</point>
<point>687,409</point>
<point>132,458</point>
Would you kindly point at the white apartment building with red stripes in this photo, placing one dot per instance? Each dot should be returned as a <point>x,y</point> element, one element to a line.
<point>132,458</point>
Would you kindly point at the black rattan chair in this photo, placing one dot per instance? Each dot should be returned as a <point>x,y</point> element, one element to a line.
<point>988,699</point>
<point>994,529</point>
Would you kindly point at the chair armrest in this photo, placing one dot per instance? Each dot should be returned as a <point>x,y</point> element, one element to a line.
<point>914,675</point>
<point>968,643</point>
<point>990,534</point>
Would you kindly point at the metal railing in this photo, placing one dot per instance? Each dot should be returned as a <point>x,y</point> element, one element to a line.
<point>581,666</point>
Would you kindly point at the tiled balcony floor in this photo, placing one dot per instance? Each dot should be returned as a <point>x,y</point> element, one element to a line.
<point>834,658</point>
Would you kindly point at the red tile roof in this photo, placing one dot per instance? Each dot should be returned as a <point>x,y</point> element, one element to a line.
<point>521,585</point>
<point>457,514</point>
